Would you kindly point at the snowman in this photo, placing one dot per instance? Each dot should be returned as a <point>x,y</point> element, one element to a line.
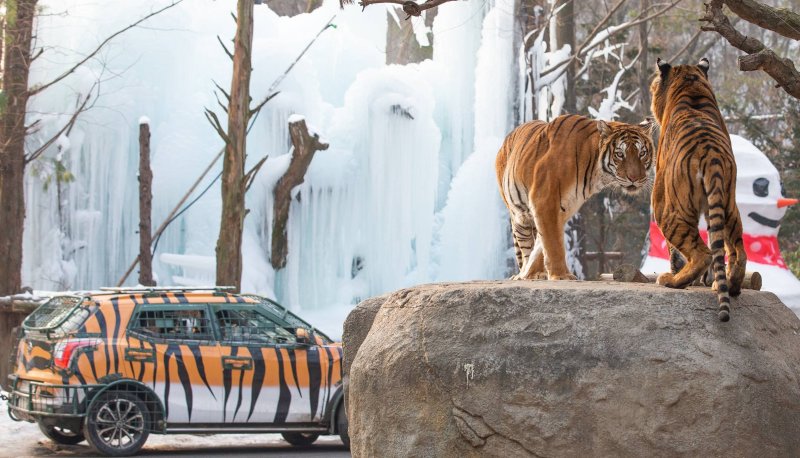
<point>759,196</point>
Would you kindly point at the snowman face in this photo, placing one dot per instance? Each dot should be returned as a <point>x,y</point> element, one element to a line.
<point>761,188</point>
<point>758,188</point>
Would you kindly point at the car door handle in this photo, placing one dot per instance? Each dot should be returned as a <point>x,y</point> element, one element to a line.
<point>244,363</point>
<point>140,354</point>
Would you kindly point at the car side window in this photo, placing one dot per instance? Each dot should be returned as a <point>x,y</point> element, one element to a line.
<point>245,325</point>
<point>165,323</point>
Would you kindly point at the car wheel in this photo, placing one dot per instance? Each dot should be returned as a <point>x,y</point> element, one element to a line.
<point>342,425</point>
<point>117,424</point>
<point>300,438</point>
<point>61,435</point>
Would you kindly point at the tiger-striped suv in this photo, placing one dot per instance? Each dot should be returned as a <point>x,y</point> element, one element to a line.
<point>113,366</point>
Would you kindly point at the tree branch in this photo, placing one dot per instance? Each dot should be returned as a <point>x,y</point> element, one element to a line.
<point>590,43</point>
<point>409,7</point>
<point>41,87</point>
<point>249,177</point>
<point>81,107</point>
<point>759,56</point>
<point>781,20</point>
<point>214,120</point>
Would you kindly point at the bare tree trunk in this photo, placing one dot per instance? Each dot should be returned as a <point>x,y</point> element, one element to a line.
<point>145,207</point>
<point>17,54</point>
<point>565,25</point>
<point>229,243</point>
<point>644,65</point>
<point>305,145</point>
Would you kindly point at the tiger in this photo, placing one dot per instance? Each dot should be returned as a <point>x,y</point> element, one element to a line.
<point>547,170</point>
<point>696,176</point>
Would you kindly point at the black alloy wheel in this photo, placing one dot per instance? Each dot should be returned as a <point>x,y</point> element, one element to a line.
<point>117,424</point>
<point>63,436</point>
<point>300,438</point>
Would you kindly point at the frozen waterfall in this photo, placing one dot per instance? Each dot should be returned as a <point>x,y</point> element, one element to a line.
<point>405,194</point>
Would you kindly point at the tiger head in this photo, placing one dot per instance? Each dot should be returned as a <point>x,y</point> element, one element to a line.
<point>627,152</point>
<point>671,82</point>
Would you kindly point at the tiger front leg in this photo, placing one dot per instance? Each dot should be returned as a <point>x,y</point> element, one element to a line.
<point>550,222</point>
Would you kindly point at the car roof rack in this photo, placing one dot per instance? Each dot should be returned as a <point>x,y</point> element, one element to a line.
<point>154,289</point>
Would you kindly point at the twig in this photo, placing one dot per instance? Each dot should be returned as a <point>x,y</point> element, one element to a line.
<point>66,128</point>
<point>41,87</point>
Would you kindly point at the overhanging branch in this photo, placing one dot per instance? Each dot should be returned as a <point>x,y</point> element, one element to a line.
<point>759,56</point>
<point>781,20</point>
<point>409,7</point>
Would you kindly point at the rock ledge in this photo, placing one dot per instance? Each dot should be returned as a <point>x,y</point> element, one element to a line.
<point>571,369</point>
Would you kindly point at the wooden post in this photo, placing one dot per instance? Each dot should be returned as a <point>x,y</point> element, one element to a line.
<point>626,273</point>
<point>305,145</point>
<point>145,206</point>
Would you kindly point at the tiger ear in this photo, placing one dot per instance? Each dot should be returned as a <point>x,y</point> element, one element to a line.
<point>603,128</point>
<point>703,65</point>
<point>663,67</point>
<point>649,125</point>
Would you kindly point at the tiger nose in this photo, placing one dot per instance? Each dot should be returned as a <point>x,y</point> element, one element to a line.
<point>635,175</point>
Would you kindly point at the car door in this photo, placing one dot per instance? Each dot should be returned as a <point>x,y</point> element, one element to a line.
<point>264,375</point>
<point>172,349</point>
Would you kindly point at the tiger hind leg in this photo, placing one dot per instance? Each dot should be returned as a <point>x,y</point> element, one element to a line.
<point>697,254</point>
<point>525,240</point>
<point>534,267</point>
<point>737,258</point>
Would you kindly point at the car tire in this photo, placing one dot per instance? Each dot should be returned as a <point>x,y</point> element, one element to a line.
<point>300,438</point>
<point>117,424</point>
<point>60,435</point>
<point>342,425</point>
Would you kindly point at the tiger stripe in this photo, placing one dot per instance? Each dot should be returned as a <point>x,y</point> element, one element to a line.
<point>545,171</point>
<point>696,176</point>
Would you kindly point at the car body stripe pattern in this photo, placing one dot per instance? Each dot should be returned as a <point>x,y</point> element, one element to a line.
<point>201,368</point>
<point>282,383</point>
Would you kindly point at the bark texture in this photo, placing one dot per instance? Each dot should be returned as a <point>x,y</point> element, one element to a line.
<point>539,368</point>
<point>229,243</point>
<point>759,56</point>
<point>781,20</point>
<point>305,146</point>
<point>145,208</point>
<point>17,55</point>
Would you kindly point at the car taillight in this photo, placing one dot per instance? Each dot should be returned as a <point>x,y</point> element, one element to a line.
<point>66,349</point>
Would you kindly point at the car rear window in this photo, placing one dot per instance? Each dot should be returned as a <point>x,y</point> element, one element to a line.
<point>59,314</point>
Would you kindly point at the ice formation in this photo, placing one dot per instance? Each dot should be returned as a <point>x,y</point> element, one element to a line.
<point>405,194</point>
<point>398,199</point>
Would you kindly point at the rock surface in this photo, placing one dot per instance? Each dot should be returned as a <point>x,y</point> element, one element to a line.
<point>537,368</point>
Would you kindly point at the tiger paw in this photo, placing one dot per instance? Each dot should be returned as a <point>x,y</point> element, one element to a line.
<point>539,276</point>
<point>563,277</point>
<point>515,277</point>
<point>666,279</point>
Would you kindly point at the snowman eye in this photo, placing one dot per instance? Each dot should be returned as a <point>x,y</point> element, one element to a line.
<point>761,187</point>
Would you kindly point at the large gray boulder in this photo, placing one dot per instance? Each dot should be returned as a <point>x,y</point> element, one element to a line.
<point>571,369</point>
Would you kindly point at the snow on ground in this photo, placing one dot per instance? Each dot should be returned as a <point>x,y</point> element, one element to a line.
<point>23,439</point>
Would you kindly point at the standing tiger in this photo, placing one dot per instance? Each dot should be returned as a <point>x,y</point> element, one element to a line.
<point>696,176</point>
<point>546,171</point>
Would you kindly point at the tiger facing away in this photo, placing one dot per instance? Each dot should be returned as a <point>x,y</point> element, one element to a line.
<point>696,176</point>
<point>546,171</point>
